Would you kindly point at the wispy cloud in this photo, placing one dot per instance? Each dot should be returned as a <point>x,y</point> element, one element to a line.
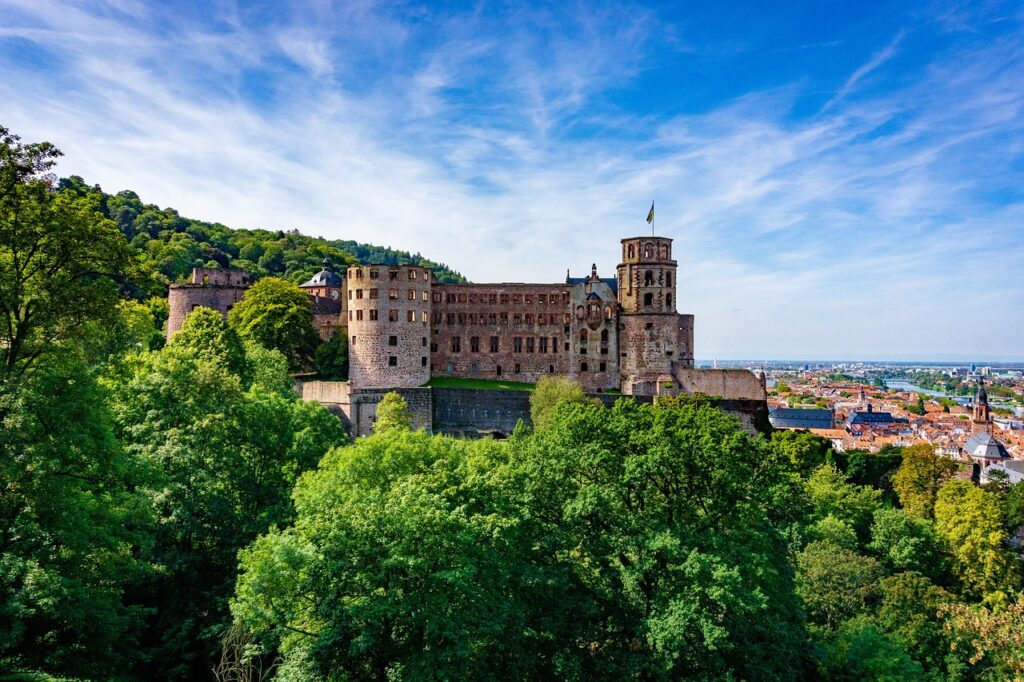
<point>516,142</point>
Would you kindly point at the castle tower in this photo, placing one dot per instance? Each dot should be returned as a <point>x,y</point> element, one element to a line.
<point>388,326</point>
<point>212,288</point>
<point>653,338</point>
<point>981,418</point>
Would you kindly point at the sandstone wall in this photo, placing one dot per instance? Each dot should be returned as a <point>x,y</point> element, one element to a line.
<point>388,326</point>
<point>184,298</point>
<point>724,383</point>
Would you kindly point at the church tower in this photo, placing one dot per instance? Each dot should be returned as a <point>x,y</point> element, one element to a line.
<point>981,418</point>
<point>653,338</point>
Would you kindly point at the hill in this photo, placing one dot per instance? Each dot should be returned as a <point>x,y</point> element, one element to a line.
<point>170,245</point>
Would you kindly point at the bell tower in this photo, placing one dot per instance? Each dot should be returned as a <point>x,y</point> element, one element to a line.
<point>981,418</point>
<point>653,338</point>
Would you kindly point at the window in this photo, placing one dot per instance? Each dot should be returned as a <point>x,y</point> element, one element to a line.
<point>668,279</point>
<point>648,278</point>
<point>412,295</point>
<point>392,361</point>
<point>423,317</point>
<point>472,298</point>
<point>583,367</point>
<point>668,300</point>
<point>542,298</point>
<point>542,345</point>
<point>551,369</point>
<point>437,296</point>
<point>472,368</point>
<point>648,299</point>
<point>603,367</point>
<point>359,274</point>
<point>393,294</point>
<point>474,344</point>
<point>528,318</point>
<point>497,370</point>
<point>393,315</point>
<point>492,318</point>
<point>648,251</point>
<point>392,340</point>
<point>412,274</point>
<point>353,340</point>
<point>604,337</point>
<point>350,292</point>
<point>423,361</point>
<point>450,298</point>
<point>554,344</point>
<point>462,298</point>
<point>462,318</point>
<point>528,298</point>
<point>410,315</point>
<point>494,344</point>
<point>393,274</point>
<point>423,296</point>
<point>517,368</point>
<point>449,368</point>
<point>517,298</point>
<point>350,316</point>
<point>504,298</point>
<point>359,293</point>
<point>374,274</point>
<point>492,298</point>
<point>504,318</point>
<point>583,336</point>
<point>632,252</point>
<point>529,344</point>
<point>450,318</point>
<point>373,293</point>
<point>517,344</point>
<point>517,318</point>
<point>456,344</point>
<point>433,348</point>
<point>359,315</point>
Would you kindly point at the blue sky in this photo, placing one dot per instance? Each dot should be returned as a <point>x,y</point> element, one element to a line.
<point>842,179</point>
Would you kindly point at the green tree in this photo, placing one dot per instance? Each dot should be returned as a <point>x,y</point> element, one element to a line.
<point>804,450</point>
<point>549,393</point>
<point>970,521</point>
<point>911,613</point>
<point>861,651</point>
<point>906,543</point>
<point>60,260</point>
<point>331,361</point>
<point>392,414</point>
<point>919,478</point>
<point>830,494</point>
<point>996,637</point>
<point>224,460</point>
<point>835,583</point>
<point>277,314</point>
<point>206,334</point>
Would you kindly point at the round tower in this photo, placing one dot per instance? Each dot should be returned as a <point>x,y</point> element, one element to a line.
<point>388,326</point>
<point>653,338</point>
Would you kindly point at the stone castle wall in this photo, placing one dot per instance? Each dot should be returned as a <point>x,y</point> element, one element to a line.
<point>389,326</point>
<point>473,412</point>
<point>732,384</point>
<point>184,298</point>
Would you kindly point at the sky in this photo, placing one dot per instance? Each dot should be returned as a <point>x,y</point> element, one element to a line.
<point>841,179</point>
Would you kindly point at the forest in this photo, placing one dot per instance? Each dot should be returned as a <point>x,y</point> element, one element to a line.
<point>175,512</point>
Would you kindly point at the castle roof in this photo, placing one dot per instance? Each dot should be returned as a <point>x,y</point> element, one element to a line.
<point>325,278</point>
<point>612,282</point>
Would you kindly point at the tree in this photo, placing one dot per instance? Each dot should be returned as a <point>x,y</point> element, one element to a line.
<point>60,260</point>
<point>861,651</point>
<point>331,361</point>
<point>906,543</point>
<point>830,494</point>
<point>996,637</point>
<point>625,543</point>
<point>804,450</point>
<point>911,612</point>
<point>549,393</point>
<point>919,478</point>
<point>224,459</point>
<point>392,414</point>
<point>835,583</point>
<point>277,314</point>
<point>206,334</point>
<point>970,521</point>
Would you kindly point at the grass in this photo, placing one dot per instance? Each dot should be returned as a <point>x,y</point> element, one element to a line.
<point>461,382</point>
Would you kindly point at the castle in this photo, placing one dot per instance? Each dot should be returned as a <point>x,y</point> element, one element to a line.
<point>618,334</point>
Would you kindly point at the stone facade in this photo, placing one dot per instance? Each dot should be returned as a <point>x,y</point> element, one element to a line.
<point>219,290</point>
<point>608,334</point>
<point>388,326</point>
<point>474,412</point>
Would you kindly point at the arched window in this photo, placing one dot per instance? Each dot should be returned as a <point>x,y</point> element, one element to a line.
<point>607,312</point>
<point>668,279</point>
<point>668,300</point>
<point>581,312</point>
<point>664,250</point>
<point>648,299</point>
<point>632,252</point>
<point>604,337</point>
<point>583,336</point>
<point>648,250</point>
<point>648,278</point>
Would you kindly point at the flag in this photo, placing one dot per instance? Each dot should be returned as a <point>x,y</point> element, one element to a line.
<point>650,214</point>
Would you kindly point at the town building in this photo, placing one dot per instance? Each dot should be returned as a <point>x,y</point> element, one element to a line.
<point>982,447</point>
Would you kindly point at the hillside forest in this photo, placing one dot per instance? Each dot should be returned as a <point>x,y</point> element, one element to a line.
<point>173,511</point>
